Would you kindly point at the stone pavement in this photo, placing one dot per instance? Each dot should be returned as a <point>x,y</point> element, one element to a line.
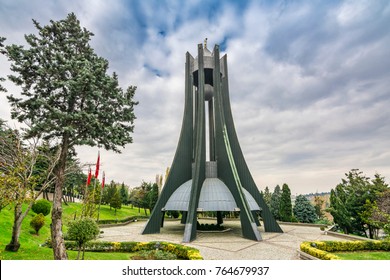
<point>225,245</point>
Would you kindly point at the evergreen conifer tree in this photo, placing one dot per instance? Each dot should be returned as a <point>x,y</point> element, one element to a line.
<point>285,204</point>
<point>304,212</point>
<point>275,202</point>
<point>68,97</point>
<point>267,195</point>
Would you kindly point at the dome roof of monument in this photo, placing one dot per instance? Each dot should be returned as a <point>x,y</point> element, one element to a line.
<point>214,196</point>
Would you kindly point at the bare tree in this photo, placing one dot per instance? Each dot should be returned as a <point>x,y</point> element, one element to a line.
<point>18,177</point>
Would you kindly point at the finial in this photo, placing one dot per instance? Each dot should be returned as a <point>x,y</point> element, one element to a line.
<point>205,42</point>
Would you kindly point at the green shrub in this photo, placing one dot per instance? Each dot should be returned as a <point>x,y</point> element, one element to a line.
<point>82,231</point>
<point>174,214</point>
<point>154,255</point>
<point>311,249</point>
<point>210,227</point>
<point>119,221</point>
<point>181,251</point>
<point>323,221</point>
<point>41,206</point>
<point>37,222</point>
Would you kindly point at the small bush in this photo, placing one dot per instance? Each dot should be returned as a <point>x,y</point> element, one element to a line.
<point>37,222</point>
<point>181,251</point>
<point>119,221</point>
<point>154,255</point>
<point>323,221</point>
<point>82,231</point>
<point>174,214</point>
<point>41,206</point>
<point>210,227</point>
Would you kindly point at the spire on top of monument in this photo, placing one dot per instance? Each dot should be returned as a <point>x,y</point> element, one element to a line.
<point>206,51</point>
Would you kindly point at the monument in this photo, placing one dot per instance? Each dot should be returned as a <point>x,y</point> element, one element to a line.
<point>219,181</point>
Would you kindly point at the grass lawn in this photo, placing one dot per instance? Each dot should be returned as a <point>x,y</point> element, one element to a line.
<point>363,255</point>
<point>31,249</point>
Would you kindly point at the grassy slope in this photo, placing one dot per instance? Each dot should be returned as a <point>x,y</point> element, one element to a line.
<point>30,248</point>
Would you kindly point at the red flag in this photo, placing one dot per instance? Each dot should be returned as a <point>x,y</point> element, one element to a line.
<point>104,178</point>
<point>89,176</point>
<point>97,166</point>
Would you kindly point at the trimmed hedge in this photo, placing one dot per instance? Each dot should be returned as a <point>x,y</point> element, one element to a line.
<point>183,252</point>
<point>323,249</point>
<point>117,221</point>
<point>210,227</point>
<point>308,247</point>
<point>41,206</point>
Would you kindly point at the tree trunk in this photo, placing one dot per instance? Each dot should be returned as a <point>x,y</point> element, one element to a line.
<point>46,195</point>
<point>14,244</point>
<point>57,238</point>
<point>64,199</point>
<point>78,254</point>
<point>18,220</point>
<point>372,232</point>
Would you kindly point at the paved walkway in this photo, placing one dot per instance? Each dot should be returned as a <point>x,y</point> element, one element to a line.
<point>225,245</point>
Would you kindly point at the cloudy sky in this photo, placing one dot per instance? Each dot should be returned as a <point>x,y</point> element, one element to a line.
<point>309,80</point>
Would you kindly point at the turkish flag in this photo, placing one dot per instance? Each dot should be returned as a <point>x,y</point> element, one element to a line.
<point>89,177</point>
<point>97,166</point>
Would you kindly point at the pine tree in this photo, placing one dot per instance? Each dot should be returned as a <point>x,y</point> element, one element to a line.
<point>2,39</point>
<point>318,202</point>
<point>339,210</point>
<point>116,201</point>
<point>275,202</point>
<point>153,197</point>
<point>124,194</point>
<point>352,201</point>
<point>267,195</point>
<point>68,97</point>
<point>303,210</point>
<point>285,204</point>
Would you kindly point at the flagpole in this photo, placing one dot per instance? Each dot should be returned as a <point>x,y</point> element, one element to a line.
<point>93,195</point>
<point>100,202</point>
<point>84,210</point>
<point>101,195</point>
<point>96,176</point>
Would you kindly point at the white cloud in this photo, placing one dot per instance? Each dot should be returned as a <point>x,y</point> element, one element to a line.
<point>308,81</point>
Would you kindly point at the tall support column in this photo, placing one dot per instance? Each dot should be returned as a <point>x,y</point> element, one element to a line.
<point>181,168</point>
<point>211,130</point>
<point>270,224</point>
<point>200,155</point>
<point>227,169</point>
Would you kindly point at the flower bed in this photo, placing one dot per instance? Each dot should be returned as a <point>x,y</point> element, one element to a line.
<point>182,252</point>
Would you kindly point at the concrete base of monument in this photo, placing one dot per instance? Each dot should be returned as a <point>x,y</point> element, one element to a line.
<point>228,245</point>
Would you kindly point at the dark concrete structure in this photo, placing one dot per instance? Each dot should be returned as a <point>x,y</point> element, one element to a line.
<point>220,180</point>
